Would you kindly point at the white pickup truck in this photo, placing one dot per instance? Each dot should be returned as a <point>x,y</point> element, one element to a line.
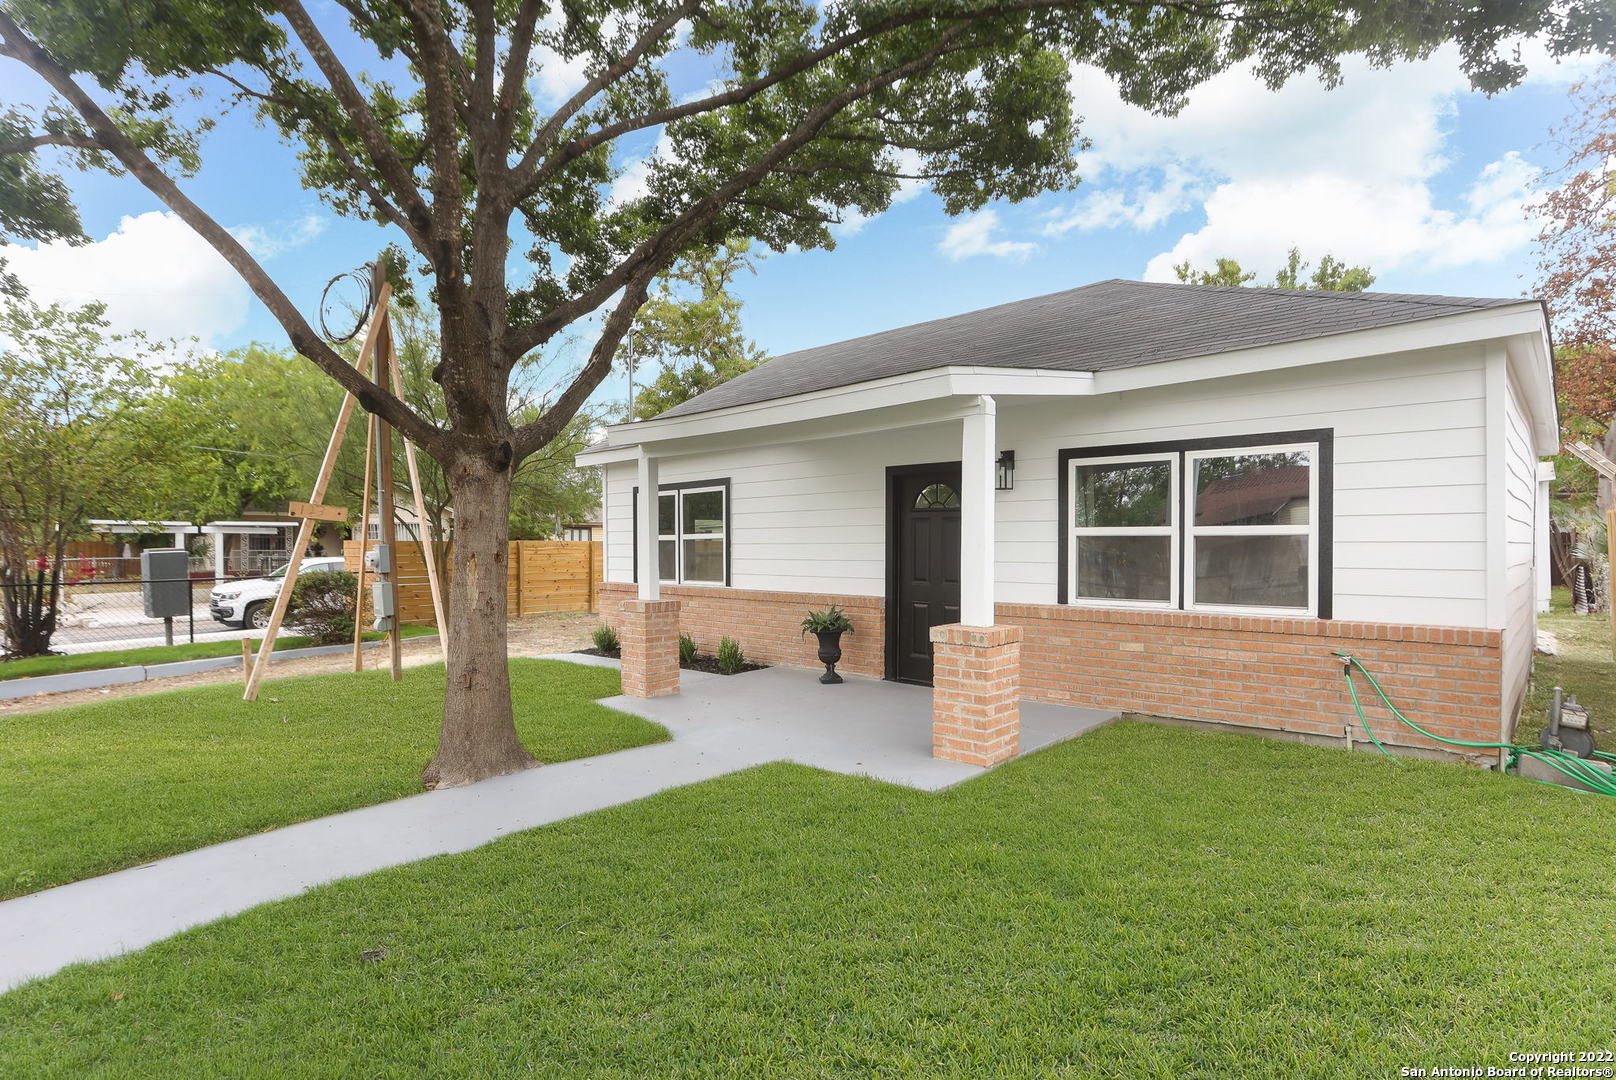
<point>247,603</point>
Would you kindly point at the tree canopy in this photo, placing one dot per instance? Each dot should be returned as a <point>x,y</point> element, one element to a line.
<point>1331,275</point>
<point>690,330</point>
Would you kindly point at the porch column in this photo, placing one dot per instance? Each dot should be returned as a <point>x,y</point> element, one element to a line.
<point>648,626</point>
<point>976,664</point>
<point>218,553</point>
<point>978,452</point>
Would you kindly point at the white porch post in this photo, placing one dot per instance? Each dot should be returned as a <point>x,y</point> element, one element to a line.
<point>645,537</point>
<point>978,456</point>
<point>218,553</point>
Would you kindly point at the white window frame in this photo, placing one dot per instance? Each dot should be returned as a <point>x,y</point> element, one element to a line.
<point>1075,533</point>
<point>1192,531</point>
<point>678,537</point>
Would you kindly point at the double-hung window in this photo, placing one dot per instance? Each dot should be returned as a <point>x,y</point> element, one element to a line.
<point>1252,541</point>
<point>1229,525</point>
<point>692,533</point>
<point>1124,538</point>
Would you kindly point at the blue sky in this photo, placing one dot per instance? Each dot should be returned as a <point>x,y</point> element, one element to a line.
<point>1404,170</point>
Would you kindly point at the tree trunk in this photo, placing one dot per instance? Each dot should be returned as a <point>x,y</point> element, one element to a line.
<point>479,730</point>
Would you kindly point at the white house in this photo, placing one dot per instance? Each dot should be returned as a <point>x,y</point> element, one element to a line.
<point>1173,499</point>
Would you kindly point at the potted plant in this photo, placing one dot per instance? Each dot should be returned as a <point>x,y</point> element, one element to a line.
<point>829,626</point>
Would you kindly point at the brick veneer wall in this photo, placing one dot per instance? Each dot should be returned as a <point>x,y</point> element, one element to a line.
<point>976,696</point>
<point>1273,673</point>
<point>648,631</point>
<point>1276,673</point>
<point>769,624</point>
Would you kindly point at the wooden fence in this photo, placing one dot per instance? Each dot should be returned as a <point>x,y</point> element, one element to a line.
<point>542,577</point>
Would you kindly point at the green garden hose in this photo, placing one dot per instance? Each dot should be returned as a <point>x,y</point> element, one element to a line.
<point>1597,780</point>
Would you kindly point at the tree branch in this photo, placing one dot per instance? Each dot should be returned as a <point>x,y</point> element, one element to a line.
<point>673,235</point>
<point>370,131</point>
<point>34,142</point>
<point>527,173</point>
<point>374,398</point>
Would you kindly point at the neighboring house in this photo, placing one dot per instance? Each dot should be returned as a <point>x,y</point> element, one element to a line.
<point>1173,499</point>
<point>589,527</point>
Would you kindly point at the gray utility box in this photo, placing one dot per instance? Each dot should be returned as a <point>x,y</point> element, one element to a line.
<point>166,582</point>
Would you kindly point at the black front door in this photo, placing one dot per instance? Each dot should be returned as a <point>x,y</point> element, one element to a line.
<point>924,557</point>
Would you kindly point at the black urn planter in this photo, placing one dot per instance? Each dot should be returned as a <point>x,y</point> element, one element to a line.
<point>830,651</point>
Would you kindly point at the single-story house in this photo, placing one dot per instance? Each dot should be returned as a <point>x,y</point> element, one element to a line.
<point>1178,500</point>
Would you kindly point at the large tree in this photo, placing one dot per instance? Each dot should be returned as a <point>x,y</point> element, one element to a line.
<point>74,412</point>
<point>775,116</point>
<point>1578,244</point>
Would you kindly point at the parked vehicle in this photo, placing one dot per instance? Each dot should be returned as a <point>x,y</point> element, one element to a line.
<point>247,603</point>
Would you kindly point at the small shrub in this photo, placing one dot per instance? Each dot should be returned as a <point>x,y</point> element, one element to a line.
<point>605,638</point>
<point>322,606</point>
<point>687,649</point>
<point>730,657</point>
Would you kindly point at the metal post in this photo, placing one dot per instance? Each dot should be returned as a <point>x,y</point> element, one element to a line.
<point>168,630</point>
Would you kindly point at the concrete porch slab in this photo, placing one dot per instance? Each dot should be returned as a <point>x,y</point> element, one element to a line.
<point>863,727</point>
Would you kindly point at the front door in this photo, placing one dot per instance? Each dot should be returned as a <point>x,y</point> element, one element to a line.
<point>924,578</point>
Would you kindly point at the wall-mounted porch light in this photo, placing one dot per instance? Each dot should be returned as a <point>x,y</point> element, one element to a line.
<point>1006,472</point>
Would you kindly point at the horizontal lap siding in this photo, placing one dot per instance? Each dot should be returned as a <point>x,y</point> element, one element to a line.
<point>1410,492</point>
<point>1520,525</point>
<point>1410,473</point>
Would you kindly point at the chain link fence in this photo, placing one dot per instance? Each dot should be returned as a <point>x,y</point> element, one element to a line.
<point>98,614</point>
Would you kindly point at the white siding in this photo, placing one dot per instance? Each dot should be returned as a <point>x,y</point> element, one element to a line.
<point>1410,483</point>
<point>1520,547</point>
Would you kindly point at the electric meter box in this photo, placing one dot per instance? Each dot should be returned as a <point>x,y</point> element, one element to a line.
<point>379,558</point>
<point>381,600</point>
<point>165,585</point>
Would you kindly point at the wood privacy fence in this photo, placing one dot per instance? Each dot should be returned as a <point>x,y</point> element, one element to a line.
<point>542,576</point>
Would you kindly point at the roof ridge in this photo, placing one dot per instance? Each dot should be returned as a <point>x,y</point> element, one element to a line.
<point>1427,299</point>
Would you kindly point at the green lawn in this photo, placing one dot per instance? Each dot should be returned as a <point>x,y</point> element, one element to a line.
<point>1583,667</point>
<point>159,654</point>
<point>92,788</point>
<point>1146,902</point>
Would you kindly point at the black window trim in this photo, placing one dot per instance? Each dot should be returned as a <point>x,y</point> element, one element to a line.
<point>662,489</point>
<point>1323,437</point>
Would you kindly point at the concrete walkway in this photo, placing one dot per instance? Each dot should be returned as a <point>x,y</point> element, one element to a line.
<point>719,725</point>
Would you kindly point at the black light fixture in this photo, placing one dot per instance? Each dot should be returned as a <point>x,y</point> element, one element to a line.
<point>1006,475</point>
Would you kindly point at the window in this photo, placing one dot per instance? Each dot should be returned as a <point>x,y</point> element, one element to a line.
<point>576,532</point>
<point>937,497</point>
<point>1238,525</point>
<point>1251,539</point>
<point>692,533</point>
<point>1124,545</point>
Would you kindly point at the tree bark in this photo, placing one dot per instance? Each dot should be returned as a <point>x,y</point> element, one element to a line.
<point>478,739</point>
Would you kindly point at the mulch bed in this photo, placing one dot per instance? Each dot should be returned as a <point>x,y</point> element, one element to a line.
<point>702,662</point>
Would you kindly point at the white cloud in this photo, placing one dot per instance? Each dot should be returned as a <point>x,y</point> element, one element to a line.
<point>634,179</point>
<point>975,235</point>
<point>1349,171</point>
<point>153,273</point>
<point>908,161</point>
<point>265,242</point>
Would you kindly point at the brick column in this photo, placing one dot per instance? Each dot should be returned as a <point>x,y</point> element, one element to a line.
<point>648,631</point>
<point>976,693</point>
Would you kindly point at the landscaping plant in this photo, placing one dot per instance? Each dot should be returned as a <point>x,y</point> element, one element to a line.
<point>687,649</point>
<point>833,620</point>
<point>605,639</point>
<point>730,657</point>
<point>322,606</point>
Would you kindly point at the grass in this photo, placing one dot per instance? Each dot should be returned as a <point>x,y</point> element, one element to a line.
<point>1143,902</point>
<point>91,788</point>
<point>160,654</point>
<point>1583,667</point>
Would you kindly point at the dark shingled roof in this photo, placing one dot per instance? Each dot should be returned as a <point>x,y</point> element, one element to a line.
<point>1101,327</point>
